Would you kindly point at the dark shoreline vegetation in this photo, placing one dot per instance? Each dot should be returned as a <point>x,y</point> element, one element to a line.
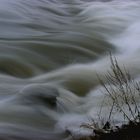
<point>130,131</point>
<point>123,90</point>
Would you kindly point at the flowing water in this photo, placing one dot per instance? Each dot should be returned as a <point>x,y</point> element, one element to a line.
<point>50,54</point>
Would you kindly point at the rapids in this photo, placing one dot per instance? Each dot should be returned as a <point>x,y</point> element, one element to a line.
<point>51,52</point>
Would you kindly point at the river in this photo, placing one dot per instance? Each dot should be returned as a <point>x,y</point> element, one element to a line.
<point>51,52</point>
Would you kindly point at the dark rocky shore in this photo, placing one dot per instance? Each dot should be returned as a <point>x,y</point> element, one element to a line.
<point>130,131</point>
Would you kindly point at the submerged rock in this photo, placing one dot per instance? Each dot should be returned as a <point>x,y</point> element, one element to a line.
<point>39,94</point>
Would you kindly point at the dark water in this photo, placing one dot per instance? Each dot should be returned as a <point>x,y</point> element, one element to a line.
<point>50,54</point>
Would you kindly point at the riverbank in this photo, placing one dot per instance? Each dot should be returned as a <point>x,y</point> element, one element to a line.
<point>128,131</point>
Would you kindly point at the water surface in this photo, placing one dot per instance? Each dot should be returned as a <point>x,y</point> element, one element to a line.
<point>50,54</point>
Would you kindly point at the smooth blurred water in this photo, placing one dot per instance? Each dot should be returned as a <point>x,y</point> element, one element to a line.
<point>50,54</point>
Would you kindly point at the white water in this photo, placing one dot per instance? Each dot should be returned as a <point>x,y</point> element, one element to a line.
<point>50,55</point>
